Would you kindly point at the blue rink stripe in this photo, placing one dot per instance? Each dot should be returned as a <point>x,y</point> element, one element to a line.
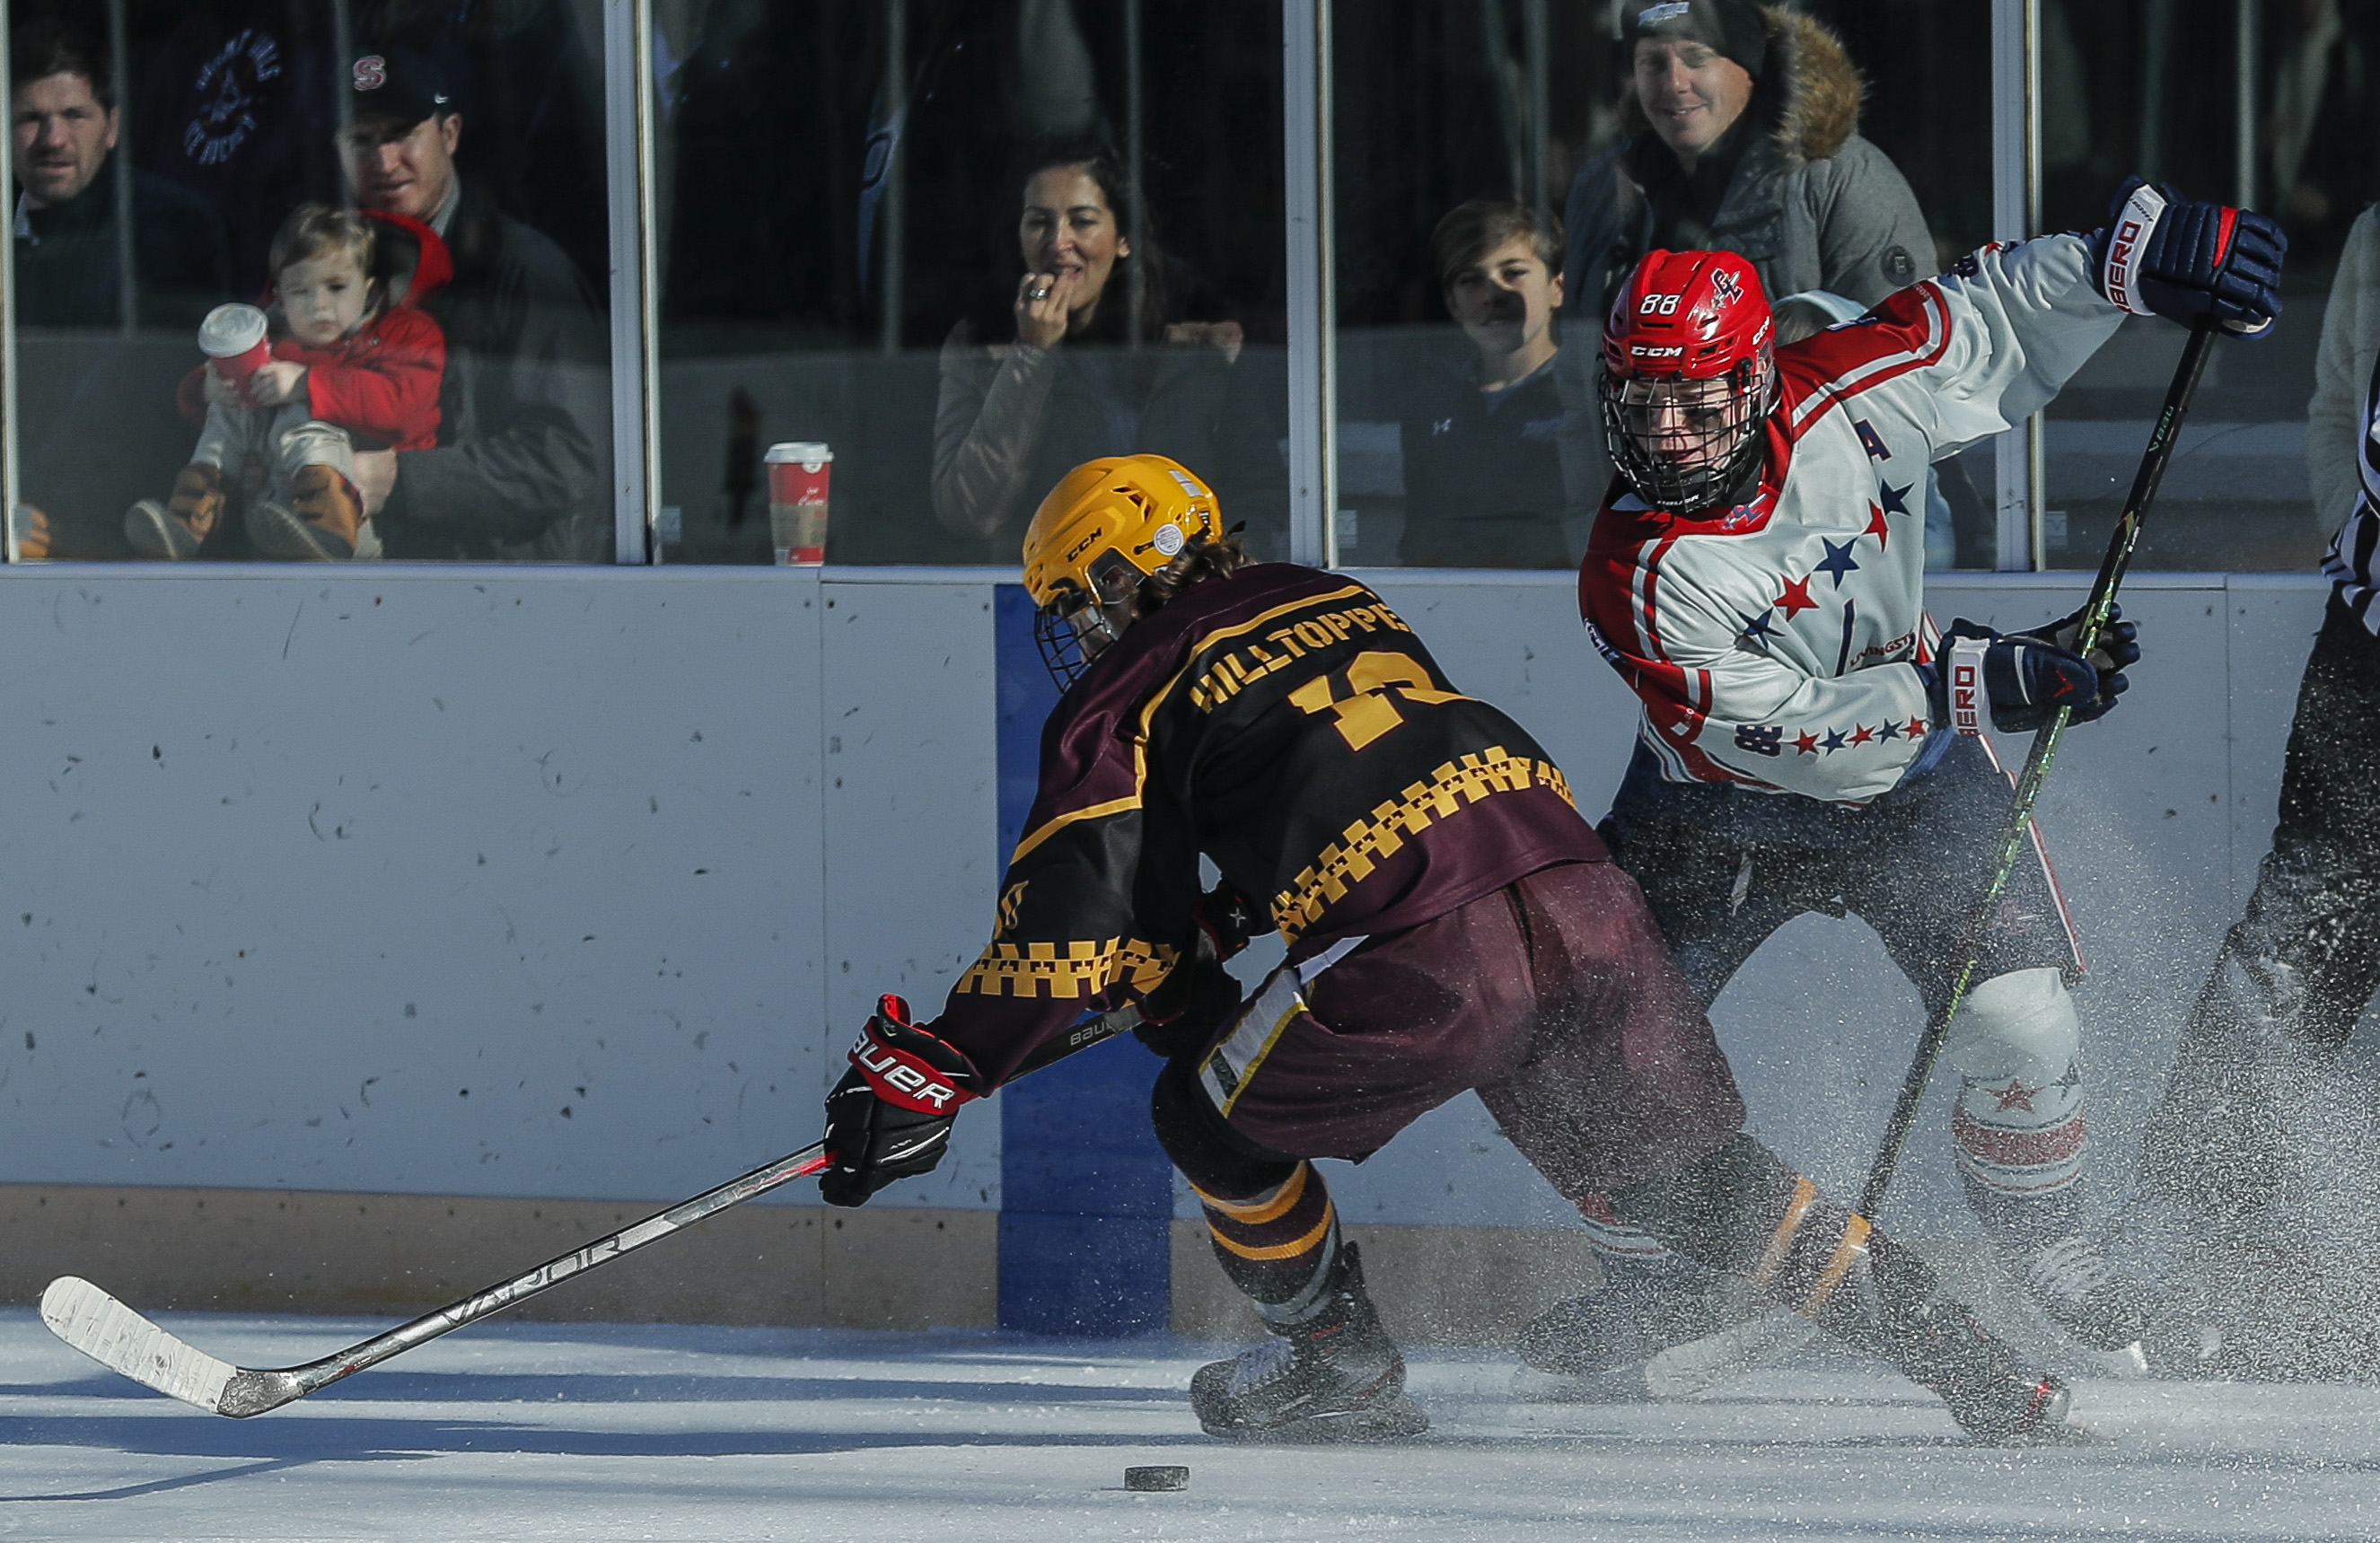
<point>1086,1195</point>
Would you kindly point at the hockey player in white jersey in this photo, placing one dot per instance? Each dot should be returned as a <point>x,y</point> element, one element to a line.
<point>1757,578</point>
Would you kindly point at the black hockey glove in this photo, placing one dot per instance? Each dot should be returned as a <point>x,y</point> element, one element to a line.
<point>2018,679</point>
<point>2160,254</point>
<point>890,1117</point>
<point>2117,647</point>
<point>1201,999</point>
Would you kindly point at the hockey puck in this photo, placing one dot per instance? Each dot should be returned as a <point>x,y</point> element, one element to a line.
<point>1157,1475</point>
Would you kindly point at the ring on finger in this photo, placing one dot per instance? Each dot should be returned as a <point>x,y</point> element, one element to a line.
<point>1038,292</point>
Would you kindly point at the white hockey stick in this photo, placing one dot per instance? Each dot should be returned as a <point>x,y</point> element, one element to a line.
<point>1679,1371</point>
<point>122,1340</point>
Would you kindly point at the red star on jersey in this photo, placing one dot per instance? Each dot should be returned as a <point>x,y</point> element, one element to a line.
<point>1795,598</point>
<point>1877,527</point>
<point>2016,1095</point>
<point>1864,735</point>
<point>1917,729</point>
<point>1806,742</point>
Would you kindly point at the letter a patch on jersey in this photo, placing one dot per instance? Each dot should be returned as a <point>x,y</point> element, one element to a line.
<point>1871,439</point>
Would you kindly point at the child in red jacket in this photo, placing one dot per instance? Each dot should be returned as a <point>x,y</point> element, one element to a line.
<point>354,365</point>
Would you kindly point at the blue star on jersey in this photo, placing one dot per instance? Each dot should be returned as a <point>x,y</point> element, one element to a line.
<point>1839,560</point>
<point>1895,499</point>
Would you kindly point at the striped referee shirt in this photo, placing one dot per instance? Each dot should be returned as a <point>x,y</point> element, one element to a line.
<point>2348,564</point>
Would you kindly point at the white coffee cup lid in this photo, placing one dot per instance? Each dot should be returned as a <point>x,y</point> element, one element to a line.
<point>232,330</point>
<point>808,453</point>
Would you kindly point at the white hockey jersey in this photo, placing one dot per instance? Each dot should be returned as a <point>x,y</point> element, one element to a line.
<point>1774,644</point>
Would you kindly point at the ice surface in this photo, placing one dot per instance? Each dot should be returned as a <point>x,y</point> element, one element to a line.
<point>532,1431</point>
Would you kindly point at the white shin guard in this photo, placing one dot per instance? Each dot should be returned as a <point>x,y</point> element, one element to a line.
<point>2019,1126</point>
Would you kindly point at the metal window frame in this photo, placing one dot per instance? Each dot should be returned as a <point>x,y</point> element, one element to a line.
<point>629,106</point>
<point>2016,215</point>
<point>1312,283</point>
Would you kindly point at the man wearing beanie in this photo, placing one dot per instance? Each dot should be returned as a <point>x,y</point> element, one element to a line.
<point>1746,141</point>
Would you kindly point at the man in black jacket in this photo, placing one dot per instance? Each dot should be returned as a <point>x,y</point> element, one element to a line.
<point>523,460</point>
<point>99,424</point>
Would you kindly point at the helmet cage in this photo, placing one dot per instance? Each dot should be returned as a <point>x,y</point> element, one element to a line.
<point>1680,454</point>
<point>1075,627</point>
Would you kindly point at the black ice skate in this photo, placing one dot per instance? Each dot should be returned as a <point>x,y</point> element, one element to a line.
<point>1938,1344</point>
<point>1333,1374</point>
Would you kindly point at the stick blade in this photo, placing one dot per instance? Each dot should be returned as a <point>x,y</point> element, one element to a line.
<point>123,1341</point>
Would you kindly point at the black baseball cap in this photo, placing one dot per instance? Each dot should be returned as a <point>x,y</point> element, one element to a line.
<point>405,83</point>
<point>1734,28</point>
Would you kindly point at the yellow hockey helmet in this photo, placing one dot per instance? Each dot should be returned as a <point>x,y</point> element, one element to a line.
<point>1106,525</point>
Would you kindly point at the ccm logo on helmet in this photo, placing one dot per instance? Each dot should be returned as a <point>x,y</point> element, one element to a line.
<point>900,1079</point>
<point>1648,351</point>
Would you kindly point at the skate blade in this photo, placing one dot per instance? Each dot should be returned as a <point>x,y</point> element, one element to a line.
<point>1389,1419</point>
<point>1613,1385</point>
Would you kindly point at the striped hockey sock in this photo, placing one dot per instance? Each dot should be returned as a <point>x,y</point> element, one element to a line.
<point>2019,1150</point>
<point>1741,1210</point>
<point>1278,1247</point>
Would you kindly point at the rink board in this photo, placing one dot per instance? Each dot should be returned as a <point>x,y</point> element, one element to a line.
<point>492,886</point>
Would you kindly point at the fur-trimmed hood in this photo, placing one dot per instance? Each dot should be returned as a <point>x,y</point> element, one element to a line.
<point>1821,90</point>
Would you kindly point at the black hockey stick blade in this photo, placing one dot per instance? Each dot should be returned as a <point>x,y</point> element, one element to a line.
<point>1975,932</point>
<point>124,1341</point>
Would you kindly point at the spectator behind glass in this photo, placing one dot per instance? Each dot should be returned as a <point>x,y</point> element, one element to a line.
<point>353,359</point>
<point>68,272</point>
<point>1740,124</point>
<point>1015,416</point>
<point>521,468</point>
<point>1746,143</point>
<point>1482,437</point>
<point>95,413</point>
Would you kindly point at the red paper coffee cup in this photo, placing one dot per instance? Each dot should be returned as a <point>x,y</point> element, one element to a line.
<point>798,474</point>
<point>234,336</point>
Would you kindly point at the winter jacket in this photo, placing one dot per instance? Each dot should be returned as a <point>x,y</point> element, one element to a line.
<point>1812,204</point>
<point>380,382</point>
<point>522,467</point>
<point>67,265</point>
<point>1013,419</point>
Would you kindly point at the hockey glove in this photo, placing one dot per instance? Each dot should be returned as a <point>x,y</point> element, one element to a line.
<point>890,1117</point>
<point>2019,679</point>
<point>2117,647</point>
<point>1199,1000</point>
<point>2159,254</point>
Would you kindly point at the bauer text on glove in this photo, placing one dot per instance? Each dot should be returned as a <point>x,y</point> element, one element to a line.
<point>890,1117</point>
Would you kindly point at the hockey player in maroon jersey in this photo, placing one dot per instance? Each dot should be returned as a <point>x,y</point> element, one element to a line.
<point>1452,924</point>
<point>1756,577</point>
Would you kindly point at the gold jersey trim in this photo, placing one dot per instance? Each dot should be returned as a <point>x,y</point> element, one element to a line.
<point>1380,834</point>
<point>1083,969</point>
<point>1057,822</point>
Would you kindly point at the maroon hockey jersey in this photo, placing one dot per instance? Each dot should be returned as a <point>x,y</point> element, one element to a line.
<point>1288,725</point>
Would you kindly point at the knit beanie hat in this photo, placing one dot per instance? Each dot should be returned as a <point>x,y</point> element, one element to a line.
<point>1734,28</point>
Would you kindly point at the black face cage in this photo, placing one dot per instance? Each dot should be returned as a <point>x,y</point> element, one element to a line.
<point>1062,654</point>
<point>1700,456</point>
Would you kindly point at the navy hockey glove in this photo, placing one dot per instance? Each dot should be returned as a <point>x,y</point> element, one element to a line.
<point>2018,679</point>
<point>2160,254</point>
<point>1201,999</point>
<point>890,1117</point>
<point>2117,647</point>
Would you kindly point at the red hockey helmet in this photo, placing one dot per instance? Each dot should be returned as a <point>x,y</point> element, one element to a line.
<point>1689,371</point>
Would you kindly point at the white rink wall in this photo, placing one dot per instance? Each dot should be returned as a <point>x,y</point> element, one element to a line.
<point>293,859</point>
